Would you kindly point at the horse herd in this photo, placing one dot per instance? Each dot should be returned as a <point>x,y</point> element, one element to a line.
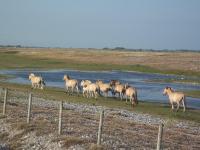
<point>94,89</point>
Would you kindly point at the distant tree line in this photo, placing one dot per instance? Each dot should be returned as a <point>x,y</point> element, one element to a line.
<point>150,50</point>
<point>107,48</point>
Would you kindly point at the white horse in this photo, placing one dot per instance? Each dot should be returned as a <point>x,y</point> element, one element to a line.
<point>90,89</point>
<point>117,87</point>
<point>131,92</point>
<point>36,81</point>
<point>175,97</point>
<point>104,87</point>
<point>84,84</point>
<point>70,84</point>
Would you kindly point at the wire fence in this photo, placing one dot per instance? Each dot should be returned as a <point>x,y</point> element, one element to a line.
<point>99,128</point>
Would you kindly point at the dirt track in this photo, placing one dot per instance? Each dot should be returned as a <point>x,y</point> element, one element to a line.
<point>80,128</point>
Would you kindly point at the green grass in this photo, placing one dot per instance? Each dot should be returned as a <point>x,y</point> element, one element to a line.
<point>5,77</point>
<point>193,93</point>
<point>143,107</point>
<point>12,60</point>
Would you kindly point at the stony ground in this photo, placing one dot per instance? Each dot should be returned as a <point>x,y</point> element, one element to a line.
<point>122,129</point>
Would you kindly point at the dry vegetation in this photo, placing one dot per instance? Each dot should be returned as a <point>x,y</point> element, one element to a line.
<point>183,61</point>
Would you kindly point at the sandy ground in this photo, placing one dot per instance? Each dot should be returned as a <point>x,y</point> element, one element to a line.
<point>80,129</point>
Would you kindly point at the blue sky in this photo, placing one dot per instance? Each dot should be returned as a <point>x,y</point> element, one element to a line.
<point>148,24</point>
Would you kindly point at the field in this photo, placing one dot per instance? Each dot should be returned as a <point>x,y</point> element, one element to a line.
<point>181,63</point>
<point>178,63</point>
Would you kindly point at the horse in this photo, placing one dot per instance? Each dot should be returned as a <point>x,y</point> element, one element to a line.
<point>114,82</point>
<point>104,87</point>
<point>36,81</point>
<point>84,84</point>
<point>89,89</point>
<point>131,92</point>
<point>70,83</point>
<point>117,87</point>
<point>175,97</point>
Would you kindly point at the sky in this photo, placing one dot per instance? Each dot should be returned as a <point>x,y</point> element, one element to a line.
<point>146,24</point>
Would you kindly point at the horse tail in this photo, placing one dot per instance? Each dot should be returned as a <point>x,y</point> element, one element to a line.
<point>43,82</point>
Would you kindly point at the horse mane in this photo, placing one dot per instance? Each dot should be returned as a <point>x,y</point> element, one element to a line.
<point>114,82</point>
<point>170,88</point>
<point>68,77</point>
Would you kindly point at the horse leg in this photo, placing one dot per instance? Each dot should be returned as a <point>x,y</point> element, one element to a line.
<point>172,106</point>
<point>132,102</point>
<point>93,94</point>
<point>177,106</point>
<point>87,94</point>
<point>34,86</point>
<point>126,98</point>
<point>77,89</point>
<point>66,89</point>
<point>183,102</point>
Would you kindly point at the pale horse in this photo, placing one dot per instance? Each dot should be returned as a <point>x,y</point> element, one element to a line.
<point>84,84</point>
<point>90,89</point>
<point>36,81</point>
<point>104,87</point>
<point>131,92</point>
<point>70,84</point>
<point>175,97</point>
<point>117,87</point>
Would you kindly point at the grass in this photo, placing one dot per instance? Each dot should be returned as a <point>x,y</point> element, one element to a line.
<point>17,60</point>
<point>5,77</point>
<point>193,93</point>
<point>143,107</point>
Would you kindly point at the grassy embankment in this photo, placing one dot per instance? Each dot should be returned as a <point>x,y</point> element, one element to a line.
<point>143,107</point>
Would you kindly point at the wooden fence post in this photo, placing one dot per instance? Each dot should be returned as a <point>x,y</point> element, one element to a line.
<point>4,103</point>
<point>160,133</point>
<point>29,107</point>
<point>100,128</point>
<point>60,119</point>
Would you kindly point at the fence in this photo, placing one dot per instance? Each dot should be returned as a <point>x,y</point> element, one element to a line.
<point>60,111</point>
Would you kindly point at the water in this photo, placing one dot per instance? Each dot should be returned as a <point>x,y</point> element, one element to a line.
<point>146,91</point>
